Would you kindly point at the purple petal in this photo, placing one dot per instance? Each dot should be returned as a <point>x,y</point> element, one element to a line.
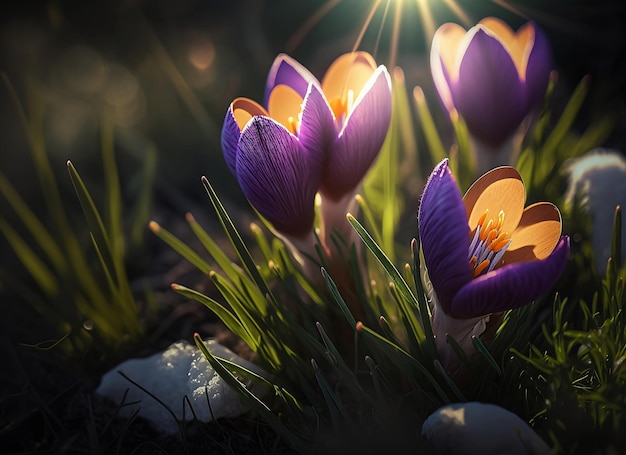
<point>489,94</point>
<point>511,286</point>
<point>356,147</point>
<point>444,234</point>
<point>230,138</point>
<point>538,69</point>
<point>274,174</point>
<point>316,126</point>
<point>285,70</point>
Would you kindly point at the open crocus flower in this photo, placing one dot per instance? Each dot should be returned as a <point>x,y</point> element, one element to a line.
<point>485,252</point>
<point>492,76</point>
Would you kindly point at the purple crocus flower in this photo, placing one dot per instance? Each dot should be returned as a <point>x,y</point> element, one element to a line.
<point>308,137</point>
<point>278,154</point>
<point>492,76</point>
<point>485,252</point>
<point>358,94</point>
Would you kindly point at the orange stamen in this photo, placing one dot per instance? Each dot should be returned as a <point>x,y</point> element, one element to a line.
<point>489,243</point>
<point>480,267</point>
<point>484,232</point>
<point>481,220</point>
<point>500,220</point>
<point>491,236</point>
<point>500,244</point>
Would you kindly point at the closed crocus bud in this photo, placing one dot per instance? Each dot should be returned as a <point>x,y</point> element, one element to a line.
<point>493,78</point>
<point>277,151</point>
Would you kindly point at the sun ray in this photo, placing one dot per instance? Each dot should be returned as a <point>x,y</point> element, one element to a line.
<point>427,20</point>
<point>381,28</point>
<point>395,37</point>
<point>459,12</point>
<point>311,22</point>
<point>510,7</point>
<point>368,20</point>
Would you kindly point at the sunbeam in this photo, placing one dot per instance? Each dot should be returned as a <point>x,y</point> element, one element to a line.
<point>424,14</point>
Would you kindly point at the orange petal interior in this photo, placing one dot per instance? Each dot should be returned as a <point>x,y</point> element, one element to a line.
<point>517,44</point>
<point>284,106</point>
<point>446,44</point>
<point>244,109</point>
<point>537,234</point>
<point>349,72</point>
<point>501,188</point>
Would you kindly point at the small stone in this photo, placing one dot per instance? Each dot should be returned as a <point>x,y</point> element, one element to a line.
<point>179,371</point>
<point>598,178</point>
<point>481,429</point>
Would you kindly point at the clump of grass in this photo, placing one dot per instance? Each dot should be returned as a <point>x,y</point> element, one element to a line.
<point>82,294</point>
<point>574,376</point>
<point>364,378</point>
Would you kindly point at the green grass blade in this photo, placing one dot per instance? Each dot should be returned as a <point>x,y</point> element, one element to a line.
<point>455,389</point>
<point>566,119</point>
<point>338,414</point>
<point>35,266</point>
<point>237,302</point>
<point>236,240</point>
<point>180,247</point>
<point>228,318</point>
<point>337,296</point>
<point>616,240</point>
<point>94,221</point>
<point>369,217</point>
<point>421,299</point>
<point>410,302</point>
<point>141,212</point>
<point>433,139</point>
<point>33,128</point>
<point>401,358</point>
<point>466,172</point>
<point>218,255</point>
<point>252,400</point>
<point>482,349</point>
<point>35,227</point>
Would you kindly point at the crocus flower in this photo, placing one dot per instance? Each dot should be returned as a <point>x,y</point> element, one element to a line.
<point>309,136</point>
<point>358,93</point>
<point>277,153</point>
<point>492,76</point>
<point>484,252</point>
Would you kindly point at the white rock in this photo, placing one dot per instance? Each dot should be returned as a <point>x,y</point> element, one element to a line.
<point>179,371</point>
<point>481,429</point>
<point>599,179</point>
